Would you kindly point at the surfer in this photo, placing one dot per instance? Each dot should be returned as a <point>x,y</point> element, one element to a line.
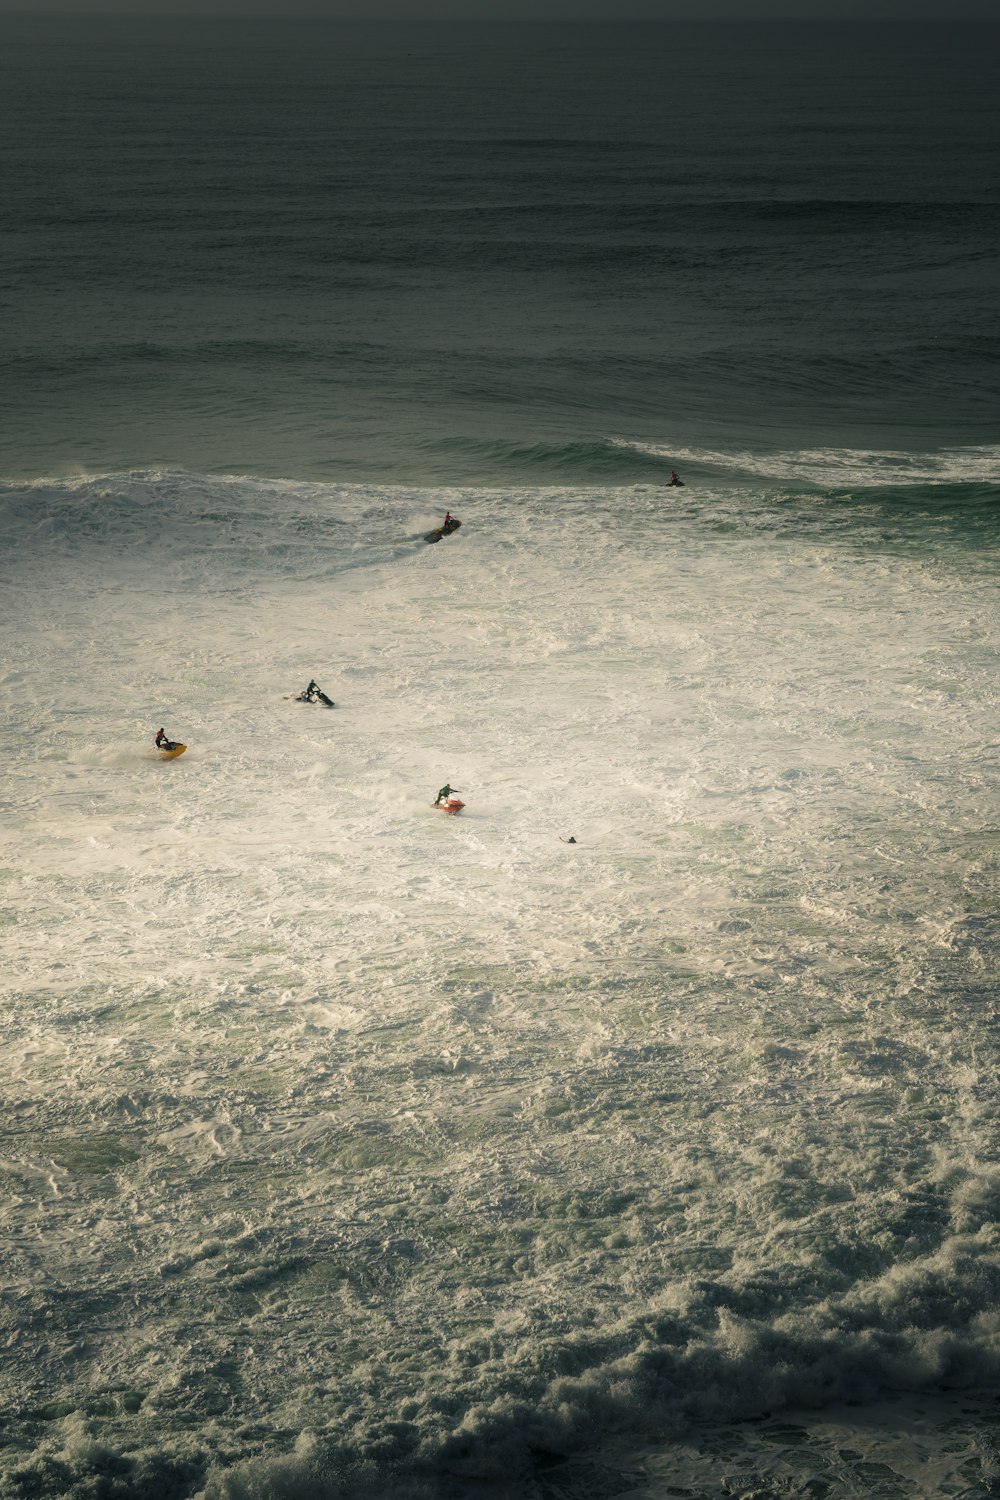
<point>444,794</point>
<point>162,743</point>
<point>570,840</point>
<point>447,520</point>
<point>674,480</point>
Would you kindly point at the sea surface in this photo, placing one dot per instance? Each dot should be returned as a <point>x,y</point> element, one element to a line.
<point>350,1151</point>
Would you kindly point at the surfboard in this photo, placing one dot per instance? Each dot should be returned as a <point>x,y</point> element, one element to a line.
<point>173,754</point>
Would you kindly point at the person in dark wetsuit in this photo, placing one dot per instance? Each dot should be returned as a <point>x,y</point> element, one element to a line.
<point>315,694</point>
<point>162,743</point>
<point>444,794</point>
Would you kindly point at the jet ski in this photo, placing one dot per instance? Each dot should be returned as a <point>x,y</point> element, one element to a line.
<point>312,694</point>
<point>169,749</point>
<point>317,697</point>
<point>451,525</point>
<point>453,806</point>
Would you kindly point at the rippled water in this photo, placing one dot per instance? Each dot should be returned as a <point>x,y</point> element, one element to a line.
<point>467,254</point>
<point>354,1149</point>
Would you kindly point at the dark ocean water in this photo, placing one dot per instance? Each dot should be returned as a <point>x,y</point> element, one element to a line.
<point>448,253</point>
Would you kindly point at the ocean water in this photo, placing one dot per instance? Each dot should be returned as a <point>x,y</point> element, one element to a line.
<point>449,254</point>
<point>349,1150</point>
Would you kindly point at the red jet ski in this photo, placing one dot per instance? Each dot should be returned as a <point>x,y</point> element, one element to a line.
<point>453,806</point>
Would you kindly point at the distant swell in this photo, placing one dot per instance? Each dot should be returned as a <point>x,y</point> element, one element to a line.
<point>832,468</point>
<point>598,461</point>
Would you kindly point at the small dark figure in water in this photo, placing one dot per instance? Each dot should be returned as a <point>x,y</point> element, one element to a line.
<point>444,794</point>
<point>570,840</point>
<point>162,743</point>
<point>673,478</point>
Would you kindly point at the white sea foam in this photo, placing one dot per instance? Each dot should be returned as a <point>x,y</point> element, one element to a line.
<point>839,467</point>
<point>351,1146</point>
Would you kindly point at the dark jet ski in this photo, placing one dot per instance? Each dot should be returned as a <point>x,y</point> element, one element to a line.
<point>446,530</point>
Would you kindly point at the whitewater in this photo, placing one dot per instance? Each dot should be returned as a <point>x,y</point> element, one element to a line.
<point>356,1150</point>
